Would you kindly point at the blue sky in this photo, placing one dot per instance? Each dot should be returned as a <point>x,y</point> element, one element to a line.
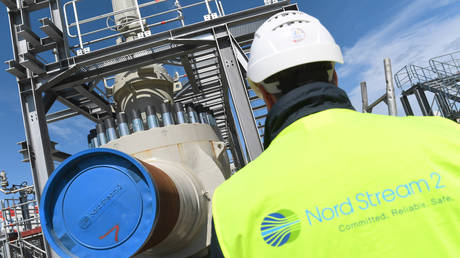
<point>407,31</point>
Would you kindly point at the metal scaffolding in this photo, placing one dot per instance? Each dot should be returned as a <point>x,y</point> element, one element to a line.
<point>436,87</point>
<point>212,54</point>
<point>22,232</point>
<point>20,223</point>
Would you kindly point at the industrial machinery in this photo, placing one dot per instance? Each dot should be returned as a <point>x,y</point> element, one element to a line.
<point>162,143</point>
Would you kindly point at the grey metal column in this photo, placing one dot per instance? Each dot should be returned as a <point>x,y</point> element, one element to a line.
<point>406,105</point>
<point>34,118</point>
<point>38,142</point>
<point>364,96</point>
<point>443,104</point>
<point>423,102</point>
<point>391,99</point>
<point>233,79</point>
<point>237,150</point>
<point>56,16</point>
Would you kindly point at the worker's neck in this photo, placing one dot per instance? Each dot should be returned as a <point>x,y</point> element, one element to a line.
<point>300,102</point>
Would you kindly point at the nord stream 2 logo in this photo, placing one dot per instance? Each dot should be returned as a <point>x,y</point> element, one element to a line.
<point>283,226</point>
<point>280,227</point>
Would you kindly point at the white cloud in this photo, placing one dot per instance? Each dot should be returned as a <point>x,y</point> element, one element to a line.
<point>60,131</point>
<point>414,35</point>
<point>70,134</point>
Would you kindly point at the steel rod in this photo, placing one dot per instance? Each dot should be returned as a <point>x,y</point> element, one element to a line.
<point>391,99</point>
<point>20,222</point>
<point>34,247</point>
<point>221,7</point>
<point>218,9</point>
<point>208,7</point>
<point>139,14</point>
<point>78,25</point>
<point>375,103</point>
<point>364,96</point>
<point>21,204</point>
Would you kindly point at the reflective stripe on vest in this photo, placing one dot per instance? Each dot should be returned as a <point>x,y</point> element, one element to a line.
<point>339,183</point>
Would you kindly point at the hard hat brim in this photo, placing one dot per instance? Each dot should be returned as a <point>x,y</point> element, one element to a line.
<point>272,64</point>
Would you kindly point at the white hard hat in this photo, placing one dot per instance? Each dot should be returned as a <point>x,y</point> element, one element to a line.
<point>286,40</point>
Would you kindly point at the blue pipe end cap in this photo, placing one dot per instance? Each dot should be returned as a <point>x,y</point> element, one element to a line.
<point>99,203</point>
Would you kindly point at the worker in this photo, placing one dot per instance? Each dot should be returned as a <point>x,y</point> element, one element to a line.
<point>333,182</point>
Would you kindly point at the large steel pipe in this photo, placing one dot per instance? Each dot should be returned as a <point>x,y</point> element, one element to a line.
<point>103,202</point>
<point>125,19</point>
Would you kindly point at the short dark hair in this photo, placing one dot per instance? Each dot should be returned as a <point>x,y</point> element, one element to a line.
<point>300,75</point>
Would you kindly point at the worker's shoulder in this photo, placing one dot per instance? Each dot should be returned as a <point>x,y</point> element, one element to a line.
<point>244,179</point>
<point>434,121</point>
<point>238,178</point>
<point>413,122</point>
<point>425,120</point>
<point>426,124</point>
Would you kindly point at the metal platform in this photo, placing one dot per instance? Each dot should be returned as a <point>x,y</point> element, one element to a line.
<point>436,87</point>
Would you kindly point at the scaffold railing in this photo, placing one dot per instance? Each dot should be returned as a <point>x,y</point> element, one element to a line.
<point>139,21</point>
<point>441,80</point>
<point>441,68</point>
<point>446,65</point>
<point>21,228</point>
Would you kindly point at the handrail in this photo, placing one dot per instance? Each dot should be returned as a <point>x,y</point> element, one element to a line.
<point>143,26</point>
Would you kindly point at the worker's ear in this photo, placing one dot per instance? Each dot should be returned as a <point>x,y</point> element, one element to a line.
<point>269,98</point>
<point>335,79</point>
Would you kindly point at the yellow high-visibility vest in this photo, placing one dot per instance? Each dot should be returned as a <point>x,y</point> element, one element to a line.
<point>339,183</point>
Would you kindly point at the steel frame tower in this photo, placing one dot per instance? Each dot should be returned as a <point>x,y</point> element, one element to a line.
<point>212,53</point>
<point>436,87</point>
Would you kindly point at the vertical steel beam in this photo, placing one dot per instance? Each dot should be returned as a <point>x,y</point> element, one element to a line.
<point>38,141</point>
<point>189,70</point>
<point>237,149</point>
<point>48,100</point>
<point>423,102</point>
<point>62,52</point>
<point>234,81</point>
<point>391,99</point>
<point>33,113</point>
<point>444,106</point>
<point>364,96</point>
<point>406,105</point>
